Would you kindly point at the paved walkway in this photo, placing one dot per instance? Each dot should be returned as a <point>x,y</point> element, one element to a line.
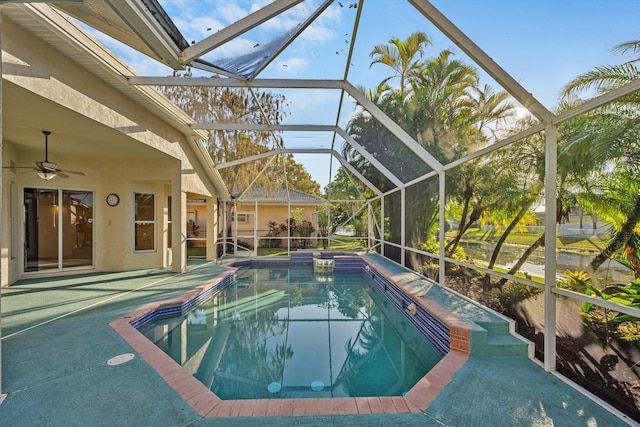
<point>56,342</point>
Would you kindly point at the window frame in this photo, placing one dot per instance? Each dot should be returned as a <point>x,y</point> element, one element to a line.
<point>138,248</point>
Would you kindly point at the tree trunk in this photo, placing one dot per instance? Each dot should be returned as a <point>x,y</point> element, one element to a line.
<point>621,238</point>
<point>475,215</point>
<point>535,245</point>
<point>451,246</point>
<point>526,205</point>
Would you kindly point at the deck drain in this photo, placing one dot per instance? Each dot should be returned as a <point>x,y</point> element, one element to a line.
<point>120,359</point>
<point>274,387</point>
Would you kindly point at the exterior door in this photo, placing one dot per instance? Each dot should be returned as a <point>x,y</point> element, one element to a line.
<point>57,235</point>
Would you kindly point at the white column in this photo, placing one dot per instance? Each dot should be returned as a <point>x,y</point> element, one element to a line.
<point>1,188</point>
<point>329,224</point>
<point>382,225</point>
<point>551,163</point>
<point>234,218</point>
<point>289,226</point>
<point>370,225</point>
<point>403,223</point>
<point>212,228</point>
<point>255,227</point>
<point>179,226</point>
<point>441,232</point>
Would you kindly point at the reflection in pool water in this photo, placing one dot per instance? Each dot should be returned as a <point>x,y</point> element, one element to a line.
<point>287,332</point>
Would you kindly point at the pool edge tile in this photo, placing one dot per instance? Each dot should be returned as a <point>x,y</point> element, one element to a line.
<point>208,404</point>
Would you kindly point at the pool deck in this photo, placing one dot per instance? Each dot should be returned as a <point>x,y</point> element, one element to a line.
<point>56,341</point>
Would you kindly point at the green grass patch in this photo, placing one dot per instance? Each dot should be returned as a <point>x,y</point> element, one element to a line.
<point>571,244</point>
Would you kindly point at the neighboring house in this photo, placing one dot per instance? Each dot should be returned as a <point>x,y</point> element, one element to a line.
<point>140,157</point>
<point>253,211</point>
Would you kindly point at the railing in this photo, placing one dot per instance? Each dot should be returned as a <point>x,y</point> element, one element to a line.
<point>238,250</point>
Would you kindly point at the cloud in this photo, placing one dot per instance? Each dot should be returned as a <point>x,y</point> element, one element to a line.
<point>291,66</point>
<point>317,34</point>
<point>197,28</point>
<point>139,63</point>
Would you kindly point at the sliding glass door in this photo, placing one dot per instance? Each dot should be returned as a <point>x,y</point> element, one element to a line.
<point>58,229</point>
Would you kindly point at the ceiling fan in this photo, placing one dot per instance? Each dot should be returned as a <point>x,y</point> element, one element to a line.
<point>47,170</point>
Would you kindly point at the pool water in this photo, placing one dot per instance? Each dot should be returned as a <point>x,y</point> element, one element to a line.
<point>287,332</point>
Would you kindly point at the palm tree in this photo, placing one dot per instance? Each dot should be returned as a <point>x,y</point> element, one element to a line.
<point>403,57</point>
<point>492,108</point>
<point>616,139</point>
<point>614,193</point>
<point>440,104</point>
<point>526,162</point>
<point>441,107</point>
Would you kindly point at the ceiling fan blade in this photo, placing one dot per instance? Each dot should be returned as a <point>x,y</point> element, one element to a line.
<point>61,174</point>
<point>71,172</point>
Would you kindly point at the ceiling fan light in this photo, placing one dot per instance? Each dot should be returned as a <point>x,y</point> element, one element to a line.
<point>46,175</point>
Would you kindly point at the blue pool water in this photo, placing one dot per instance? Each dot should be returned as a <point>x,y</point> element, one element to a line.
<point>287,332</point>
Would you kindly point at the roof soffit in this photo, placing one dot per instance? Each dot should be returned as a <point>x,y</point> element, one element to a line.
<point>53,28</point>
<point>140,24</point>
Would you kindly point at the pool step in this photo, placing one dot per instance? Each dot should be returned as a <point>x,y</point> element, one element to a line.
<point>496,327</point>
<point>495,339</point>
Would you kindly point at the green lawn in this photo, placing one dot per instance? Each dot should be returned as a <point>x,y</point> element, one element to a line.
<point>570,244</point>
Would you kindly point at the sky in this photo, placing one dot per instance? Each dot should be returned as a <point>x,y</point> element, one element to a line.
<point>543,44</point>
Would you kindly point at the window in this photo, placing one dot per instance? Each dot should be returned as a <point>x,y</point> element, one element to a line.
<point>242,218</point>
<point>145,222</point>
<point>169,224</point>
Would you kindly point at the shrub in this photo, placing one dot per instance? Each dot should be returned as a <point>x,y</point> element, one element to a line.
<point>606,322</point>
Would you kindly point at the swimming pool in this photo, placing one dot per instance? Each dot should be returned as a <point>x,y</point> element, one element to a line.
<point>418,299</point>
<point>292,332</point>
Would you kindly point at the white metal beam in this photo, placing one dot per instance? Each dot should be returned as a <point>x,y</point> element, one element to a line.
<point>232,82</point>
<point>498,145</point>
<point>598,101</point>
<point>374,162</point>
<point>334,153</point>
<point>142,22</point>
<point>483,60</point>
<point>236,29</point>
<point>273,153</point>
<point>442,196</point>
<point>393,127</point>
<point>296,128</point>
<point>248,159</point>
<point>550,261</point>
<point>263,127</point>
<point>355,172</point>
<point>293,36</point>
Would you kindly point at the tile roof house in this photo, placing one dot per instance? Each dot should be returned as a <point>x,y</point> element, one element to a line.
<point>255,208</point>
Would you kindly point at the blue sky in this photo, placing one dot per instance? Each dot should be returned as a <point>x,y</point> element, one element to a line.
<point>543,44</point>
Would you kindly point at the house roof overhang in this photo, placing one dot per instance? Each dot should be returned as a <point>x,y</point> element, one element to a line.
<point>55,29</point>
<point>140,24</point>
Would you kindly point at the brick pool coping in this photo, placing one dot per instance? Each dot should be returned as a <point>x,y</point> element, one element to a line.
<point>208,404</point>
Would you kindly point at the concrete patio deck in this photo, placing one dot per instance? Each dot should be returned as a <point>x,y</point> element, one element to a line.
<point>56,341</point>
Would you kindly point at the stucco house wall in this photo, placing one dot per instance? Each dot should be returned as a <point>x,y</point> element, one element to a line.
<point>127,140</point>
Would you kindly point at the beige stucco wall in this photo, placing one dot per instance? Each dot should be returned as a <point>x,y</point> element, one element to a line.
<point>266,213</point>
<point>32,66</point>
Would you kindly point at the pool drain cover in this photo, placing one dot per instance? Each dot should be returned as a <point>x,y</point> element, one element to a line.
<point>120,359</point>
<point>317,385</point>
<point>274,387</point>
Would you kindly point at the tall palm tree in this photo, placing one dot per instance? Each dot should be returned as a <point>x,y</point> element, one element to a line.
<point>492,108</point>
<point>441,107</point>
<point>403,57</point>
